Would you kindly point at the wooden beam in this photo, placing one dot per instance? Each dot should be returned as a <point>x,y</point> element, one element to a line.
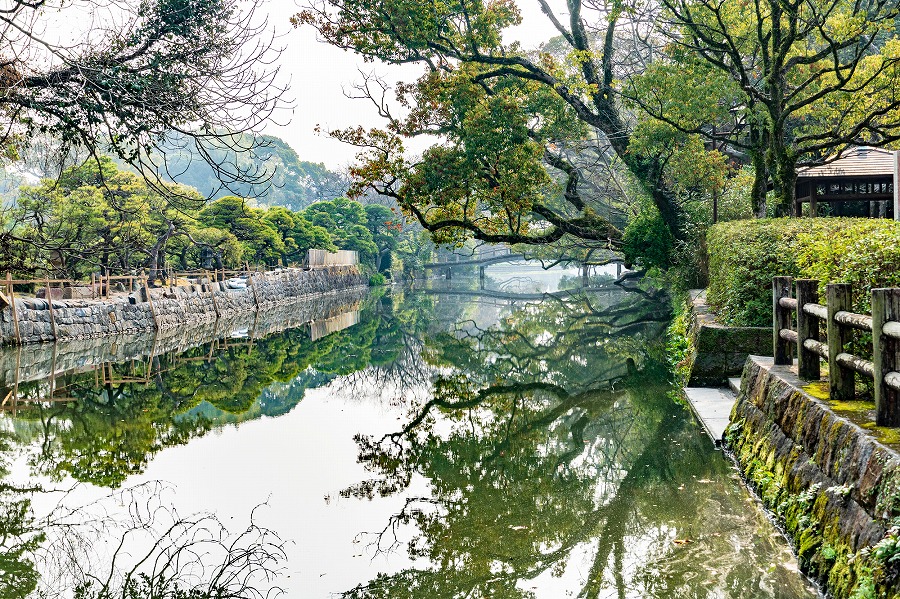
<point>830,197</point>
<point>808,366</point>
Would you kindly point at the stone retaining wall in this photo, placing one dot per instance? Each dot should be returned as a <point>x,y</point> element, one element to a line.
<point>718,352</point>
<point>830,484</point>
<point>35,362</point>
<point>170,307</point>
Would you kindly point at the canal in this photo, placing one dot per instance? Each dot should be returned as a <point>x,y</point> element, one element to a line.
<point>439,441</point>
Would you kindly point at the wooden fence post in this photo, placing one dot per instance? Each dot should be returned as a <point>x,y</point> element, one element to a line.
<point>12,307</point>
<point>808,362</point>
<point>886,355</point>
<point>150,300</point>
<point>781,319</point>
<point>212,294</point>
<point>255,293</point>
<point>52,315</point>
<point>841,380</point>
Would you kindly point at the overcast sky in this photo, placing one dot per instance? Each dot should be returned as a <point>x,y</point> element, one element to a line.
<point>319,73</point>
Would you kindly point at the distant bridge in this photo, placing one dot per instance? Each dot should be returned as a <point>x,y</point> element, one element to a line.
<point>499,255</point>
<point>478,261</point>
<point>482,258</point>
<point>512,296</point>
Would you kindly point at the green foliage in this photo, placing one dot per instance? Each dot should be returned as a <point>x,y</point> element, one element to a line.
<point>678,343</point>
<point>377,280</point>
<point>96,216</point>
<point>744,256</point>
<point>259,237</point>
<point>348,223</point>
<point>93,216</point>
<point>19,539</point>
<point>648,241</point>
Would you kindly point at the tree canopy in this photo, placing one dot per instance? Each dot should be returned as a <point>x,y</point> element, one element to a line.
<point>95,217</point>
<point>512,124</point>
<point>662,103</point>
<point>784,82</point>
<point>201,69</point>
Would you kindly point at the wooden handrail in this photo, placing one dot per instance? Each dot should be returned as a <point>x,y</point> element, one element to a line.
<point>788,303</point>
<point>883,323</point>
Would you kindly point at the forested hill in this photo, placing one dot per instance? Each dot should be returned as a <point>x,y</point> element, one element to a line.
<point>290,182</point>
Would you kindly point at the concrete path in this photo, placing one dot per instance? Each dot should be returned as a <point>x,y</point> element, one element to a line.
<point>712,407</point>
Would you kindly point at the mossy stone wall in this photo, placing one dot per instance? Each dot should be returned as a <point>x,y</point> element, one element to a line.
<point>186,305</point>
<point>717,352</point>
<point>832,486</point>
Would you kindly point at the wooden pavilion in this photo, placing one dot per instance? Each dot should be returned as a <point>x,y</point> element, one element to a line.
<point>862,182</point>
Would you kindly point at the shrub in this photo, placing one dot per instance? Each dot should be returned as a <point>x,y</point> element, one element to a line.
<point>377,280</point>
<point>745,255</point>
<point>647,241</point>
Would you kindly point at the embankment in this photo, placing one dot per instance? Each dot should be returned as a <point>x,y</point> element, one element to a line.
<point>168,308</point>
<point>716,352</point>
<point>323,314</point>
<point>832,486</point>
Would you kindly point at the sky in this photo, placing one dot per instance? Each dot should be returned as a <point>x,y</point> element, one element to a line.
<point>318,74</point>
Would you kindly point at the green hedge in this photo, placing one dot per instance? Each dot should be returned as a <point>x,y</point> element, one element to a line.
<point>744,256</point>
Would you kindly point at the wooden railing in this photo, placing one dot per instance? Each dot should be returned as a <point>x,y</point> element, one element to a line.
<point>100,287</point>
<point>840,324</point>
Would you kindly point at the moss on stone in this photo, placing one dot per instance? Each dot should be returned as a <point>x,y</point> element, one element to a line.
<point>786,478</point>
<point>818,389</point>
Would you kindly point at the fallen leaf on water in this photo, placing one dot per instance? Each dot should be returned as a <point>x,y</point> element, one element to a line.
<point>518,527</point>
<point>682,541</point>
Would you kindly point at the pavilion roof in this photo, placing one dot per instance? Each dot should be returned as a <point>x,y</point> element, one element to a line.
<point>862,161</point>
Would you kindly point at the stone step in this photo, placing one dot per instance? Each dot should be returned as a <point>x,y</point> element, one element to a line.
<point>735,384</point>
<point>712,407</point>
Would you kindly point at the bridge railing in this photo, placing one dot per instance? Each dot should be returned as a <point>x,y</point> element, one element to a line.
<point>840,324</point>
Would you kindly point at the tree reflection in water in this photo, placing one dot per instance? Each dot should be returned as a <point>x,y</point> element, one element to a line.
<point>554,456</point>
<point>552,448</point>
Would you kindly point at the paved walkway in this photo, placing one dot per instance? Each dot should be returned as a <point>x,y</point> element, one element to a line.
<point>712,407</point>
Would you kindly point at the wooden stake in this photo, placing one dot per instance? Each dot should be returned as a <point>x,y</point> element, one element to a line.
<point>52,315</point>
<point>781,319</point>
<point>53,373</point>
<point>841,379</point>
<point>12,305</point>
<point>253,287</point>
<point>808,362</point>
<point>150,301</point>
<point>212,294</point>
<point>886,355</point>
<point>16,388</point>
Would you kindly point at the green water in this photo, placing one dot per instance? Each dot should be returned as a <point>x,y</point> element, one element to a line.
<point>445,446</point>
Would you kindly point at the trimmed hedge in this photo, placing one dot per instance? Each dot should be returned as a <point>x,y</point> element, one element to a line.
<point>744,256</point>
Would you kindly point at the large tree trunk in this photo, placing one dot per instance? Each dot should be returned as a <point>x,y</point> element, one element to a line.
<point>157,258</point>
<point>649,171</point>
<point>760,172</point>
<point>783,166</point>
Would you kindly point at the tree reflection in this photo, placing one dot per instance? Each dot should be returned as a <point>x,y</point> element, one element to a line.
<point>120,420</point>
<point>548,439</point>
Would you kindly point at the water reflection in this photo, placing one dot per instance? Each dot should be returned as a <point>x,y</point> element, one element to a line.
<point>536,451</point>
<point>558,463</point>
